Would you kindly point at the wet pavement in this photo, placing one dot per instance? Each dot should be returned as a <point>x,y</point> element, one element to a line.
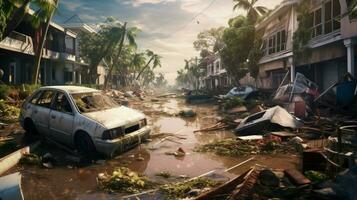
<point>68,182</point>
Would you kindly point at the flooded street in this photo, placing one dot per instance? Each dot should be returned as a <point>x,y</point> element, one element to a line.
<point>68,182</point>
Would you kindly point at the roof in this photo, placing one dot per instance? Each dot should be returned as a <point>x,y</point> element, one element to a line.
<point>71,88</point>
<point>76,23</point>
<point>276,12</point>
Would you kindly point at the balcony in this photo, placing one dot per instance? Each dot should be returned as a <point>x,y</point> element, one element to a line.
<point>18,42</point>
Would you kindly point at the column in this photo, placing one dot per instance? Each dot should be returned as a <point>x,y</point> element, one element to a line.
<point>292,69</point>
<point>350,56</point>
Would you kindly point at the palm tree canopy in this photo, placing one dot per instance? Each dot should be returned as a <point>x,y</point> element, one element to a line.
<point>253,12</point>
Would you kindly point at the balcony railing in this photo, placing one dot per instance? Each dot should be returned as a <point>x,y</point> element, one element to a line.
<point>18,42</point>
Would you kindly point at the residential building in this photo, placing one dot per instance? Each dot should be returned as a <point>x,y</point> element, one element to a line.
<point>76,25</point>
<point>216,76</point>
<point>58,65</point>
<point>332,43</point>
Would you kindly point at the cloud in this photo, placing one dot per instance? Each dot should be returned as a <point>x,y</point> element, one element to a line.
<point>137,3</point>
<point>168,27</point>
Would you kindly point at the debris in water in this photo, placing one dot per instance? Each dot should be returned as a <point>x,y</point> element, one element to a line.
<point>182,190</point>
<point>123,180</point>
<point>30,159</point>
<point>164,174</point>
<point>231,147</point>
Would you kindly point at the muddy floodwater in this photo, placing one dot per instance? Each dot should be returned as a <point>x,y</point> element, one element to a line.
<point>68,182</point>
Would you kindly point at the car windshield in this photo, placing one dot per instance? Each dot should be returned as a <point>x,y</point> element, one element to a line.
<point>93,101</point>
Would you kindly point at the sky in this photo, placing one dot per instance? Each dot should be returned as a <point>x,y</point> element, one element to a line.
<point>168,27</point>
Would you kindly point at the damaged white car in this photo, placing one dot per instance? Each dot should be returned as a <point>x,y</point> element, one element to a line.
<point>84,119</point>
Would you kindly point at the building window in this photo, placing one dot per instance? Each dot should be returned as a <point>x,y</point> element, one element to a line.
<point>276,43</point>
<point>326,19</point>
<point>316,29</point>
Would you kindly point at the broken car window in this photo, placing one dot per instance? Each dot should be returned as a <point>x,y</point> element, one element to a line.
<point>93,101</point>
<point>45,99</point>
<point>36,97</point>
<point>62,104</point>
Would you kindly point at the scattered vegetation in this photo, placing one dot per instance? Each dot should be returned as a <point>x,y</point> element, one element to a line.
<point>123,180</point>
<point>316,176</point>
<point>180,190</point>
<point>8,112</point>
<point>233,102</point>
<point>30,159</point>
<point>231,147</point>
<point>164,174</point>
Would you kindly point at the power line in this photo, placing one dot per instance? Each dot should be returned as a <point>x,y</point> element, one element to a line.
<point>195,16</point>
<point>188,23</point>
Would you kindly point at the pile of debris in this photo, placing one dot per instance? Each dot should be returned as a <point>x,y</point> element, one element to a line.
<point>8,112</point>
<point>187,189</point>
<point>232,147</point>
<point>123,180</point>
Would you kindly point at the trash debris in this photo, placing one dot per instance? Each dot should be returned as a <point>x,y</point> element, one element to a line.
<point>268,119</point>
<point>268,178</point>
<point>187,113</point>
<point>123,180</point>
<point>178,153</point>
<point>251,137</point>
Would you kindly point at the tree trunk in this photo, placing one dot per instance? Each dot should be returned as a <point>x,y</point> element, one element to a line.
<point>120,49</point>
<point>39,50</point>
<point>147,64</point>
<point>16,19</point>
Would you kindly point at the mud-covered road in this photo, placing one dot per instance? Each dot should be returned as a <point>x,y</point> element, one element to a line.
<point>69,182</point>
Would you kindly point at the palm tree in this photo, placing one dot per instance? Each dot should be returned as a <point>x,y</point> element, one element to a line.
<point>15,11</point>
<point>154,58</point>
<point>39,49</point>
<point>253,12</point>
<point>136,64</point>
<point>124,33</point>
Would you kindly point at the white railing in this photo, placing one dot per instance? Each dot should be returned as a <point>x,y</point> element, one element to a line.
<point>18,42</point>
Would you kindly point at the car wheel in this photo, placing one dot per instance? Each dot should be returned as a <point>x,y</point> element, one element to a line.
<point>84,145</point>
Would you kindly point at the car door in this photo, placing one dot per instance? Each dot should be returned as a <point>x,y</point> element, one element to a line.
<point>61,119</point>
<point>41,111</point>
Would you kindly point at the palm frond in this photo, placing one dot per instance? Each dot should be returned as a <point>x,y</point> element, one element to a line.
<point>262,10</point>
<point>243,4</point>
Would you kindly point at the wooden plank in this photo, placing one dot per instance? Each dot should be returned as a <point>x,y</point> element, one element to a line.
<point>225,188</point>
<point>251,137</point>
<point>296,177</point>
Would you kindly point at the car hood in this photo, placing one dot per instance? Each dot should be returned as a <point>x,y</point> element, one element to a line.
<point>115,117</point>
